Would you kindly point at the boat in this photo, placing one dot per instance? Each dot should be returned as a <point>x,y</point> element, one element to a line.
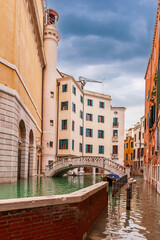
<point>110,178</point>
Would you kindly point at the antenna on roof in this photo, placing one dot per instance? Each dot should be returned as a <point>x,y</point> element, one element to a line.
<point>84,80</point>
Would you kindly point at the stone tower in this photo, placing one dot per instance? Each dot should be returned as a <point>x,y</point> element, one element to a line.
<point>51,39</point>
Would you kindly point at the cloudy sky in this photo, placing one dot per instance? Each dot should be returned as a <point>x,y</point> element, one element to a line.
<point>108,40</point>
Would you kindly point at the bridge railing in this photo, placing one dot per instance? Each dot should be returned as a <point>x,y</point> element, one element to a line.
<point>101,162</point>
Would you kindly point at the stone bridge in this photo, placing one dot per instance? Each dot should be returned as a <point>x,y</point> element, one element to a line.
<point>65,164</point>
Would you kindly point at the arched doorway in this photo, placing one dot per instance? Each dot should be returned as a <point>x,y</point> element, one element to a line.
<point>31,154</point>
<point>21,149</point>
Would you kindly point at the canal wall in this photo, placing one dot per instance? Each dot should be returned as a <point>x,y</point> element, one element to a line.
<point>58,217</point>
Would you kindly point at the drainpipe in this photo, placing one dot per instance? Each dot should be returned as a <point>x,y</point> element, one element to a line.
<point>58,84</point>
<point>42,116</point>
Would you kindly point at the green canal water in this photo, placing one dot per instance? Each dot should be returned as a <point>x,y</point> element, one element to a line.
<point>142,221</point>
<point>40,186</point>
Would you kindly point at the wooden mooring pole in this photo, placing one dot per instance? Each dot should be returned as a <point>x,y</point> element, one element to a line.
<point>128,198</point>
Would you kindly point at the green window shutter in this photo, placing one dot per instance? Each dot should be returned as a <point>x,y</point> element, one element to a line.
<point>98,118</point>
<point>60,144</point>
<point>86,148</point>
<point>86,116</point>
<point>91,132</point>
<point>72,144</point>
<point>66,143</point>
<point>91,102</point>
<point>91,117</point>
<point>103,149</point>
<point>91,148</point>
<point>67,105</point>
<point>99,149</point>
<point>102,134</point>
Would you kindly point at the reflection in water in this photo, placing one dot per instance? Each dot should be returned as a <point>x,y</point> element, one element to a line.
<point>141,222</point>
<point>40,186</point>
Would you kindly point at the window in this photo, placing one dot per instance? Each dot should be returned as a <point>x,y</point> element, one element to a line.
<point>135,137</point>
<point>51,123</point>
<point>63,144</point>
<point>100,134</point>
<point>115,133</point>
<point>101,149</point>
<point>115,149</point>
<point>100,119</point>
<point>52,94</point>
<point>142,135</point>
<point>131,156</point>
<point>89,148</point>
<point>115,122</point>
<point>148,96</point>
<point>152,150</point>
<point>51,144</point>
<point>73,123</point>
<point>80,147</point>
<point>64,124</point>
<point>138,153</point>
<point>141,152</point>
<point>131,144</point>
<point>126,157</point>
<point>126,145</point>
<point>73,107</point>
<point>81,131</point>
<point>72,144</point>
<point>89,117</point>
<point>90,102</point>
<point>74,90</point>
<point>81,114</point>
<point>139,135</point>
<point>89,132</point>
<point>64,105</point>
<point>64,88</point>
<point>134,153</point>
<point>101,104</point>
<point>81,99</point>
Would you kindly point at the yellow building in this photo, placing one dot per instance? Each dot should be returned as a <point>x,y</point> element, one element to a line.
<point>128,151</point>
<point>21,63</point>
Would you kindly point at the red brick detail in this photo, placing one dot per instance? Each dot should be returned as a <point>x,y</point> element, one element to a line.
<point>60,222</point>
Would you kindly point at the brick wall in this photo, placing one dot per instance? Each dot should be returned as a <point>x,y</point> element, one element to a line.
<point>69,221</point>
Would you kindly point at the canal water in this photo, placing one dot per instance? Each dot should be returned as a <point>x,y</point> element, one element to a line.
<point>40,186</point>
<point>141,222</point>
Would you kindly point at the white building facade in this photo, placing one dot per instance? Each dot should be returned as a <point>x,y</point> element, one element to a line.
<point>117,134</point>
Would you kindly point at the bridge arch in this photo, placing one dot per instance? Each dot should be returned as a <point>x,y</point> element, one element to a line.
<point>64,164</point>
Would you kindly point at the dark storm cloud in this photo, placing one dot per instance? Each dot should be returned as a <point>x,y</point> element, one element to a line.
<point>123,29</point>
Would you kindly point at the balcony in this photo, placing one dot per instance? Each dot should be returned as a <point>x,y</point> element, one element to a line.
<point>115,139</point>
<point>114,156</point>
<point>115,124</point>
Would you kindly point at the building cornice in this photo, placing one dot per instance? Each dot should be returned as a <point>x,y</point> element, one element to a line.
<point>13,67</point>
<point>97,95</point>
<point>14,93</point>
<point>32,10</point>
<point>154,36</point>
